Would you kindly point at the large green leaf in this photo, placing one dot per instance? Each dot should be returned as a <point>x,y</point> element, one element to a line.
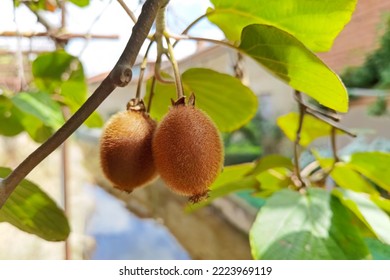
<point>228,102</point>
<point>348,178</point>
<point>31,210</point>
<point>40,105</point>
<point>291,61</point>
<point>315,23</point>
<point>374,165</point>
<point>9,123</point>
<point>314,225</point>
<point>367,211</point>
<point>312,128</point>
<point>231,179</point>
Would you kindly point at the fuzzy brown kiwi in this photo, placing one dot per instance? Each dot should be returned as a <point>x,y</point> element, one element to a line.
<point>188,151</point>
<point>126,149</point>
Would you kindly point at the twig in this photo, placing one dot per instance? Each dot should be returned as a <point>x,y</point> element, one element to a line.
<point>119,76</point>
<point>63,13</point>
<point>176,72</point>
<point>40,19</point>
<point>89,30</point>
<point>330,122</point>
<point>323,175</point>
<point>313,110</point>
<point>157,73</point>
<point>128,11</point>
<point>185,31</point>
<point>142,71</point>
<point>160,30</point>
<point>152,87</point>
<point>323,116</point>
<point>310,109</point>
<point>333,145</point>
<point>214,41</point>
<point>302,112</point>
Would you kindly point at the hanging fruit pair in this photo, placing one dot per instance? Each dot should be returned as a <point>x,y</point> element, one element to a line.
<point>185,149</point>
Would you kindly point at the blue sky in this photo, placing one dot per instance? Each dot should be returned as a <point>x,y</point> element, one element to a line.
<point>101,55</point>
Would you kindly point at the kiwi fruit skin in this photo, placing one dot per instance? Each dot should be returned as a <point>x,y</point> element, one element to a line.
<point>126,150</point>
<point>188,151</point>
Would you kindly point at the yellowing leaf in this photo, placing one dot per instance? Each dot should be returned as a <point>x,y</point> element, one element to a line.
<point>312,128</point>
<point>315,23</point>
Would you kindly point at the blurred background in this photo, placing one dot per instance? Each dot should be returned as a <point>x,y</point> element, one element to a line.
<point>151,223</point>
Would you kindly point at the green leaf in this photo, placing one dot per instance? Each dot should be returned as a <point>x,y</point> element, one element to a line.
<point>94,120</point>
<point>348,178</point>
<point>288,59</point>
<point>50,70</point>
<point>273,180</point>
<point>224,98</point>
<point>231,179</point>
<point>35,128</point>
<point>315,23</point>
<point>9,123</point>
<point>61,73</point>
<point>40,105</point>
<point>75,94</point>
<point>367,211</point>
<point>312,128</point>
<point>80,3</point>
<point>314,225</point>
<point>270,162</point>
<point>378,250</point>
<point>374,165</point>
<point>33,211</point>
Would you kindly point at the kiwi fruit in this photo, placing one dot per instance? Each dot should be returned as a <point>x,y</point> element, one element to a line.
<point>126,149</point>
<point>188,151</point>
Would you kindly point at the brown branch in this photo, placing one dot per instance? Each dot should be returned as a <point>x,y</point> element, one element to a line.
<point>330,122</point>
<point>119,76</point>
<point>152,88</point>
<point>142,71</point>
<point>176,72</point>
<point>63,13</point>
<point>323,116</point>
<point>333,145</point>
<point>302,111</point>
